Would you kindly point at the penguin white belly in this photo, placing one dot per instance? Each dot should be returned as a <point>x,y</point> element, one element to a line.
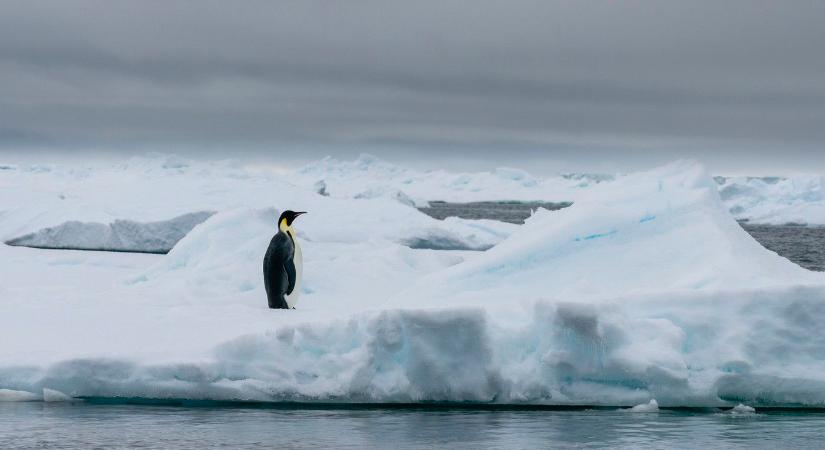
<point>298,259</point>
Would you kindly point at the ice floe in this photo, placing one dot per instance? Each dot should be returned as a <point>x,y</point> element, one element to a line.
<point>775,200</point>
<point>120,235</point>
<point>646,287</point>
<point>649,407</point>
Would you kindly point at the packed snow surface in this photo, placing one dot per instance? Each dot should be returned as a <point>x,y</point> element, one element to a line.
<point>644,288</point>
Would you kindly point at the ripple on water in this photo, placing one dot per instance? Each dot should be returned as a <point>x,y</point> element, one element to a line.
<point>83,425</point>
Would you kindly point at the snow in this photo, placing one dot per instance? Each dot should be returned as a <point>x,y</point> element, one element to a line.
<point>775,200</point>
<point>369,177</point>
<point>645,288</point>
<point>741,409</point>
<point>52,396</point>
<point>8,395</point>
<point>121,235</point>
<point>62,203</point>
<point>649,407</point>
<point>664,229</point>
<point>759,200</point>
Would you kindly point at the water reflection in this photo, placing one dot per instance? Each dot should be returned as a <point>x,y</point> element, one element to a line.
<point>27,425</point>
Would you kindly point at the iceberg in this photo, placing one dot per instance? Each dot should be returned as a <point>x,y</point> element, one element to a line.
<point>650,407</point>
<point>742,410</point>
<point>53,396</point>
<point>646,287</point>
<point>662,229</point>
<point>775,200</point>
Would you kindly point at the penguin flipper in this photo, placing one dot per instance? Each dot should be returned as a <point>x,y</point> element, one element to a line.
<point>289,267</point>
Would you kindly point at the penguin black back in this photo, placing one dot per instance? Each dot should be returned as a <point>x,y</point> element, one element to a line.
<point>281,275</point>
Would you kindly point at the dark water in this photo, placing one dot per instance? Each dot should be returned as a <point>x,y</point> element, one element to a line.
<point>513,212</point>
<point>44,425</point>
<point>803,245</point>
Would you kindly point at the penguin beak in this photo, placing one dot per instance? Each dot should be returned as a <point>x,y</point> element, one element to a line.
<point>298,213</point>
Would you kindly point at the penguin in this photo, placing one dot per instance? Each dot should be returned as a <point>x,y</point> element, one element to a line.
<point>283,264</point>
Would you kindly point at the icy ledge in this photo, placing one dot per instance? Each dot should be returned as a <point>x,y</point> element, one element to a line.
<point>120,236</point>
<point>715,349</point>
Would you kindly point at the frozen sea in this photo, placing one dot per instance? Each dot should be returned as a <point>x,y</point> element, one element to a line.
<point>85,425</point>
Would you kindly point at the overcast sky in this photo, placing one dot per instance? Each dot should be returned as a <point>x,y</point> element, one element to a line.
<point>552,85</point>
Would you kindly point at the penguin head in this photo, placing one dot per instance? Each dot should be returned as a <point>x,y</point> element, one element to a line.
<point>285,221</point>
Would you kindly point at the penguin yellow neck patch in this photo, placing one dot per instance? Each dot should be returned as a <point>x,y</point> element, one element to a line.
<point>286,228</point>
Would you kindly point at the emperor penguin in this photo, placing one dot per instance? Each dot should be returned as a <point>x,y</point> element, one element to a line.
<point>283,264</point>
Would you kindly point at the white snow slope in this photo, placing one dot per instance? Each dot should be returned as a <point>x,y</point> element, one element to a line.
<point>644,288</point>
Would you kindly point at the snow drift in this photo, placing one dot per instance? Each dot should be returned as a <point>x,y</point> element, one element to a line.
<point>645,288</point>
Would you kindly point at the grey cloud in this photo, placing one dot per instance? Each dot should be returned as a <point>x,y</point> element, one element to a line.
<point>473,76</point>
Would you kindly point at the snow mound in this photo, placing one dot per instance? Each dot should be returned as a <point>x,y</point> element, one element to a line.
<point>223,257</point>
<point>121,235</point>
<point>649,407</point>
<point>659,230</point>
<point>775,200</point>
<point>223,253</point>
